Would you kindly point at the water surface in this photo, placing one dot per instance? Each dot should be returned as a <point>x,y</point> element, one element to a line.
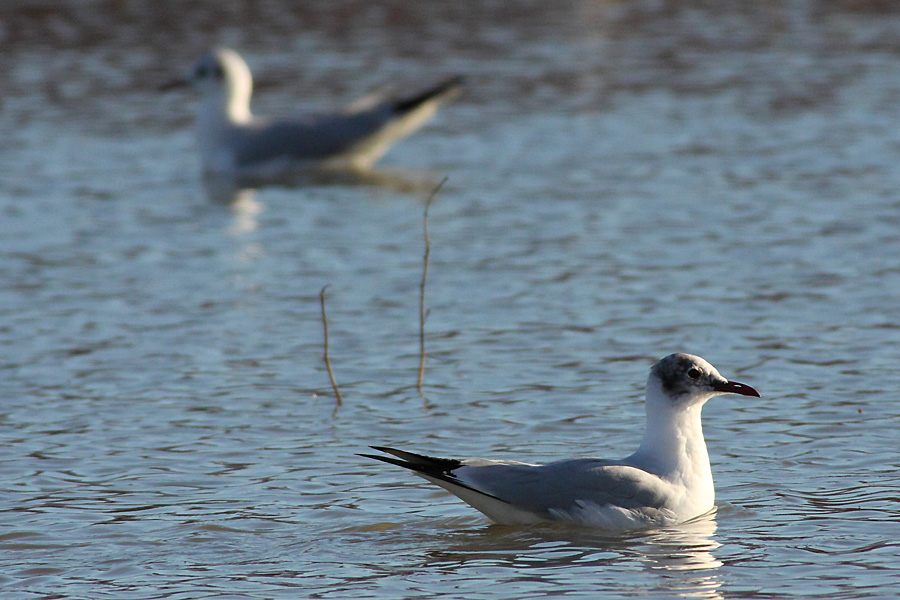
<point>625,180</point>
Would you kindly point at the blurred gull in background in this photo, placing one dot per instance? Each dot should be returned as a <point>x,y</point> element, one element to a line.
<point>233,142</point>
<point>666,482</point>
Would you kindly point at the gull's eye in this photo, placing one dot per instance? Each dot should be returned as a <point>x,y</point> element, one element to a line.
<point>694,373</point>
<point>200,73</point>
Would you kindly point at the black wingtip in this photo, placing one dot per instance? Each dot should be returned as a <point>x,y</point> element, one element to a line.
<point>389,460</point>
<point>430,466</point>
<point>450,85</point>
<point>421,462</point>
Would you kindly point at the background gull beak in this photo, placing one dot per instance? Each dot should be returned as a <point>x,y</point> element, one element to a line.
<point>174,84</point>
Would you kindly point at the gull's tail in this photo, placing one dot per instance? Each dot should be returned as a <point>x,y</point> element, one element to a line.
<point>441,468</point>
<point>442,92</point>
<point>430,467</point>
<point>443,472</point>
<point>404,116</point>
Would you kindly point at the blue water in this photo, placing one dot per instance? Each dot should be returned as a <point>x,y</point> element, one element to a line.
<point>625,180</point>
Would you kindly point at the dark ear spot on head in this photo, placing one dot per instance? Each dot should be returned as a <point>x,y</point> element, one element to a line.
<point>677,374</point>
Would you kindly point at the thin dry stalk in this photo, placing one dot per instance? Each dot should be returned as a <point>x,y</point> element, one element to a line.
<point>422,313</point>
<point>334,385</point>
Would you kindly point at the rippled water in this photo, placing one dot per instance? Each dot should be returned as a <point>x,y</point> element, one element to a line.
<point>625,180</point>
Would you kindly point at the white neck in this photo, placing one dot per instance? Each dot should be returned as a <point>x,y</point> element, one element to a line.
<point>215,127</point>
<point>673,446</point>
<point>238,104</point>
<point>222,107</point>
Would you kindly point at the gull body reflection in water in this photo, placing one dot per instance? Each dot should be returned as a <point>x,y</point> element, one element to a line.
<point>684,556</point>
<point>228,188</point>
<point>240,194</point>
<point>679,560</point>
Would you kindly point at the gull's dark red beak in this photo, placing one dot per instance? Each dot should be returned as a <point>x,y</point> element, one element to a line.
<point>733,387</point>
<point>174,84</point>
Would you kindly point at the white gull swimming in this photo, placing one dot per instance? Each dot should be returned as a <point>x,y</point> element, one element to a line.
<point>235,142</point>
<point>666,482</point>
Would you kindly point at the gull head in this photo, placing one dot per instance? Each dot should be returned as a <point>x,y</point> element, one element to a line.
<point>224,80</point>
<point>685,380</point>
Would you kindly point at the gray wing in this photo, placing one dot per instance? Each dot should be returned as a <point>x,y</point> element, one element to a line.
<point>369,101</point>
<point>311,138</point>
<point>367,127</point>
<point>564,485</point>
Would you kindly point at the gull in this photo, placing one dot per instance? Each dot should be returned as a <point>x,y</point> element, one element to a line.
<point>666,482</point>
<point>235,142</point>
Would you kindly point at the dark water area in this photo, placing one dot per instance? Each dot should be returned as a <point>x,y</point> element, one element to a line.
<point>626,180</point>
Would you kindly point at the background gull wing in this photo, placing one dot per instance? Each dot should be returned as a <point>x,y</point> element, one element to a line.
<point>310,138</point>
<point>362,135</point>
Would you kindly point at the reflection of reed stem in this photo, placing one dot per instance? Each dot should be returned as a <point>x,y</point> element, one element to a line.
<point>422,314</point>
<point>334,384</point>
